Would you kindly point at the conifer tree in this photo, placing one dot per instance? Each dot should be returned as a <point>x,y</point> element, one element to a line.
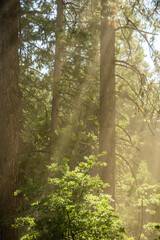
<point>107,95</point>
<point>57,69</point>
<point>9,114</point>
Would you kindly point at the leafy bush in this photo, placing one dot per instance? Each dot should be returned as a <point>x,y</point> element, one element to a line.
<point>76,207</point>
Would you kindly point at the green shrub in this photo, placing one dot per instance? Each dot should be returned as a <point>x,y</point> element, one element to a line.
<point>75,209</point>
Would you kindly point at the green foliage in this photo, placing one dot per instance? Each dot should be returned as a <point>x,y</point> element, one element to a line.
<point>137,104</point>
<point>76,207</point>
<point>142,200</point>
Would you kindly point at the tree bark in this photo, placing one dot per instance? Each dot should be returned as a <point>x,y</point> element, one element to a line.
<point>9,114</point>
<point>107,96</point>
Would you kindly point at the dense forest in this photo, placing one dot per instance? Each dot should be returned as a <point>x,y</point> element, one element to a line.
<point>79,120</point>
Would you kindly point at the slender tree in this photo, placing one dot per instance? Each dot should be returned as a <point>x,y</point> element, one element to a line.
<point>9,114</point>
<point>107,95</point>
<point>57,70</point>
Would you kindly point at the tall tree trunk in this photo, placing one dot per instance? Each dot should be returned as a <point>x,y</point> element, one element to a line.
<point>9,114</point>
<point>107,96</point>
<point>57,71</point>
